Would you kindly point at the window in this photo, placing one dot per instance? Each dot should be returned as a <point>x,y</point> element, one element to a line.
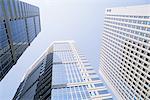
<point>93,79</point>
<point>92,73</point>
<point>89,69</point>
<point>103,92</point>
<point>108,99</point>
<point>99,84</point>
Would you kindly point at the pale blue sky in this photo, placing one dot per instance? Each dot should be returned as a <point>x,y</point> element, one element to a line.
<point>79,20</point>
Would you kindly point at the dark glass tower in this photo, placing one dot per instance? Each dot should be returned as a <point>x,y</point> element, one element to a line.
<point>62,73</point>
<point>19,25</point>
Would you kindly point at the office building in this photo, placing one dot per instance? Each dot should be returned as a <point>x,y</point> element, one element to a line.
<point>125,52</point>
<point>62,73</point>
<point>19,25</point>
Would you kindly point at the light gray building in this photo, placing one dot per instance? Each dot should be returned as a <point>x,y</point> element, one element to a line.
<point>62,73</point>
<point>125,52</point>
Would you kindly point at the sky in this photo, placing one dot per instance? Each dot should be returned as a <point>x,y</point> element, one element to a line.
<point>78,20</point>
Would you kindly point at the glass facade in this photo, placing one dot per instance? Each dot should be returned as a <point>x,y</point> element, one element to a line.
<point>125,51</point>
<point>62,73</point>
<point>6,60</point>
<point>19,25</point>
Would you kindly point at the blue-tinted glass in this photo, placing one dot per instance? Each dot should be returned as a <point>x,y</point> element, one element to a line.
<point>78,95</point>
<point>17,8</point>
<point>4,46</point>
<point>99,84</point>
<point>12,8</point>
<point>87,94</point>
<point>6,63</point>
<point>19,36</point>
<point>95,78</point>
<point>31,29</point>
<point>74,95</point>
<point>83,95</point>
<point>92,73</point>
<point>37,24</point>
<point>5,53</point>
<point>103,92</point>
<point>3,39</point>
<point>20,9</point>
<point>56,57</point>
<point>6,5</point>
<point>58,74</point>
<point>1,11</point>
<point>148,29</point>
<point>109,99</point>
<point>89,69</point>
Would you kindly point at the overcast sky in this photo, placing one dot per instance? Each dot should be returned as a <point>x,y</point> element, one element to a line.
<point>79,20</point>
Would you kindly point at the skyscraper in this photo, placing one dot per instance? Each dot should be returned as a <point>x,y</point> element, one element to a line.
<point>62,73</point>
<point>19,25</point>
<point>125,52</point>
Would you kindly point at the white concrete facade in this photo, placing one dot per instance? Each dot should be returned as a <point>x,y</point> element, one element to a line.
<point>125,52</point>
